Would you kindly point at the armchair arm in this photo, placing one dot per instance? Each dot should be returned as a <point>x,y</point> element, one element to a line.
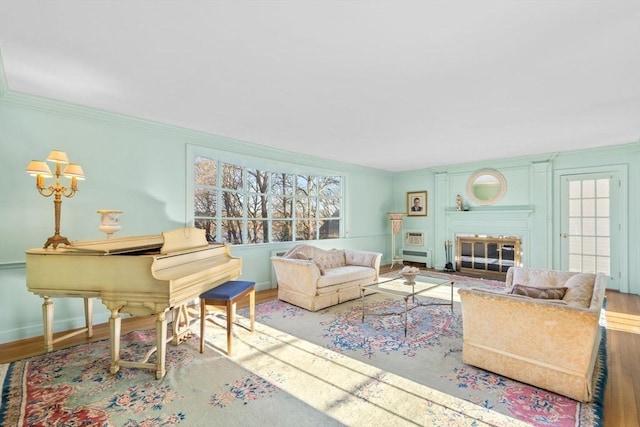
<point>298,275</point>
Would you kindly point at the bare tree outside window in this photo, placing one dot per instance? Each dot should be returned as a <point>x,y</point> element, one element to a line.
<point>257,206</point>
<point>205,195</point>
<point>282,199</point>
<point>239,205</point>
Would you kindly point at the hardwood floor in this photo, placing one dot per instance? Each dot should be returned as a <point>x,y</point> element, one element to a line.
<point>622,393</point>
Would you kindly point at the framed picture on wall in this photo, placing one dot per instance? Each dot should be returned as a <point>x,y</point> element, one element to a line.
<point>417,203</point>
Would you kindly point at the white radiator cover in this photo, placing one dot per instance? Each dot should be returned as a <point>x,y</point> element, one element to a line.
<point>418,255</point>
<point>414,249</point>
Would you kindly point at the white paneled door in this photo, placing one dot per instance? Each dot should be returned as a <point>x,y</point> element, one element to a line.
<point>590,227</point>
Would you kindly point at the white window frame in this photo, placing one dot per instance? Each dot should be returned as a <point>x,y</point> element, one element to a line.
<point>250,162</point>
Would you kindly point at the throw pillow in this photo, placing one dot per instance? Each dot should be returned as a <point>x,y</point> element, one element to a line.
<point>579,290</point>
<point>301,256</point>
<point>541,293</point>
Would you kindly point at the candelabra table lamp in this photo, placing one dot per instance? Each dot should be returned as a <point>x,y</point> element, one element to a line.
<point>41,170</point>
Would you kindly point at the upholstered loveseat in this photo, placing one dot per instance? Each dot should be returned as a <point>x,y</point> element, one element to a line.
<point>549,339</point>
<point>314,278</point>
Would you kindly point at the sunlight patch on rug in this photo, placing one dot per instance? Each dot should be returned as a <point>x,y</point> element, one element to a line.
<point>351,391</point>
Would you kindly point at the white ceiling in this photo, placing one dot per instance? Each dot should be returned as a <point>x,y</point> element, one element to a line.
<point>395,85</point>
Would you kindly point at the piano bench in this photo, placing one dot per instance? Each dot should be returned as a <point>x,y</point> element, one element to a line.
<point>226,295</point>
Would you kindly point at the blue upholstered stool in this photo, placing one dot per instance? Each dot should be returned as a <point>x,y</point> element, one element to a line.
<point>226,295</point>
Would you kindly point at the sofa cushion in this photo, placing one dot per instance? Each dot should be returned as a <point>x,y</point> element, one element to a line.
<point>540,293</point>
<point>345,274</point>
<point>579,290</point>
<point>330,259</point>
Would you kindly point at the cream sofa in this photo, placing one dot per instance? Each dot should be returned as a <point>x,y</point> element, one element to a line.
<point>548,343</point>
<point>314,278</point>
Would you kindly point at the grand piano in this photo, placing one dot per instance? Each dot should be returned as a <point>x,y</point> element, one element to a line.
<point>140,276</point>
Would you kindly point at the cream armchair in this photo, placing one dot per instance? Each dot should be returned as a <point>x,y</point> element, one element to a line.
<point>314,278</point>
<point>548,343</point>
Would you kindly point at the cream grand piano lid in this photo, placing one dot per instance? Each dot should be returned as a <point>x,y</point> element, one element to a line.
<point>119,245</point>
<point>169,242</point>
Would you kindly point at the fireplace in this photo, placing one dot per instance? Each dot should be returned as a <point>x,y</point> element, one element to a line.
<point>492,255</point>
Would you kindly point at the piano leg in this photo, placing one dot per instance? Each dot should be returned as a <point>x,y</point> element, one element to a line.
<point>47,320</point>
<point>114,332</point>
<point>47,323</point>
<point>88,316</point>
<point>160,348</point>
<point>161,343</point>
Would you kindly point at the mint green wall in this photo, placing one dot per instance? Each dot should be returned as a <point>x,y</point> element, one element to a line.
<point>137,167</point>
<point>528,208</point>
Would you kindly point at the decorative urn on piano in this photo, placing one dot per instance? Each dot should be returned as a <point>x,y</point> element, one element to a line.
<point>110,221</point>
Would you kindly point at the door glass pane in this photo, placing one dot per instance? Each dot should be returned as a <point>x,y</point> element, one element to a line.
<point>602,207</point>
<point>603,264</point>
<point>588,207</point>
<point>588,188</point>
<point>574,207</point>
<point>589,246</point>
<point>574,189</point>
<point>589,227</point>
<point>588,264</point>
<point>575,226</point>
<point>602,188</point>
<point>575,244</point>
<point>603,247</point>
<point>602,226</point>
<point>574,262</point>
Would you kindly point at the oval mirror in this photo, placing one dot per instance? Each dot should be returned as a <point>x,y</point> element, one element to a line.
<point>486,187</point>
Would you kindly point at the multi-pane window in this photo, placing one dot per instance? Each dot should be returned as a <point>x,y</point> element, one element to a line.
<point>238,205</point>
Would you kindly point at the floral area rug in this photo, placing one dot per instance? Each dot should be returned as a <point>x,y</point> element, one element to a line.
<point>431,354</point>
<point>272,379</point>
<point>297,369</point>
